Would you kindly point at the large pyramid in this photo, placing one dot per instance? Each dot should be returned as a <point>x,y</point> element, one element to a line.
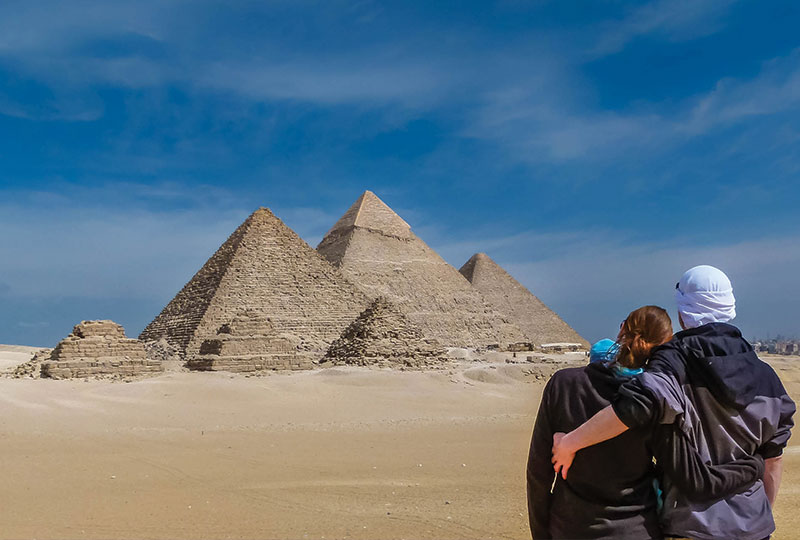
<point>508,295</point>
<point>262,299</point>
<point>376,250</point>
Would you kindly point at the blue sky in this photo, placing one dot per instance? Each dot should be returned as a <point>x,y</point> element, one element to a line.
<point>594,149</point>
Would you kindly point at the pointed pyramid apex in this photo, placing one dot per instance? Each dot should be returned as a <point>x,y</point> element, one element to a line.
<point>369,212</point>
<point>477,260</point>
<point>262,212</point>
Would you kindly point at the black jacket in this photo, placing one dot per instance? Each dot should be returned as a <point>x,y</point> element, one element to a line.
<point>609,492</point>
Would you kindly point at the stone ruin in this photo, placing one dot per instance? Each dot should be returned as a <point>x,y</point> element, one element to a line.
<point>249,343</point>
<point>383,335</point>
<point>376,250</point>
<point>540,324</point>
<point>98,348</point>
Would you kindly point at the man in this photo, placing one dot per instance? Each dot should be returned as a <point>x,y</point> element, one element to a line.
<point>708,383</point>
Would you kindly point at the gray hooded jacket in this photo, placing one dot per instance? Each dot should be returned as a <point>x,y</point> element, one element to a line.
<point>709,383</point>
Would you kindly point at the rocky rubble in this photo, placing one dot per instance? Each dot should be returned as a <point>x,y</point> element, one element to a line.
<point>32,368</point>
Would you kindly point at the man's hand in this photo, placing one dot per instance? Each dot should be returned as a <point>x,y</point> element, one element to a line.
<point>563,454</point>
<point>600,427</point>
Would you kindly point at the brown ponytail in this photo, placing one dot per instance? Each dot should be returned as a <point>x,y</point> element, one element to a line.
<point>645,328</point>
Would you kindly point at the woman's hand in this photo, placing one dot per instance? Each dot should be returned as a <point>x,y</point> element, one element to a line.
<point>563,453</point>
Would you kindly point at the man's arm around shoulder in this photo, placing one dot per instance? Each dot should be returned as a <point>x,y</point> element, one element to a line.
<point>639,402</point>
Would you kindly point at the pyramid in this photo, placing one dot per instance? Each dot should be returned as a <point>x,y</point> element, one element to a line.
<point>98,348</point>
<point>508,295</point>
<point>249,343</point>
<point>376,250</point>
<point>383,334</point>
<point>263,289</point>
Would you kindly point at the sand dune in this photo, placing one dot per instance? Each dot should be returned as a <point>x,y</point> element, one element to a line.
<point>332,453</point>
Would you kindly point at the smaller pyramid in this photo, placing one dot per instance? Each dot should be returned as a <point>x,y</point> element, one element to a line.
<point>507,295</point>
<point>249,342</point>
<point>98,348</point>
<point>382,334</point>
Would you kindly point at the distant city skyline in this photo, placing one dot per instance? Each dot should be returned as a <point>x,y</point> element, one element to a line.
<point>595,152</point>
<point>777,337</point>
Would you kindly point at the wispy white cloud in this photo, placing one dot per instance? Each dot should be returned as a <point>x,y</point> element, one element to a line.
<point>59,51</point>
<point>775,90</point>
<point>537,127</point>
<point>363,81</point>
<point>29,29</point>
<point>674,20</point>
<point>532,130</point>
<point>525,97</point>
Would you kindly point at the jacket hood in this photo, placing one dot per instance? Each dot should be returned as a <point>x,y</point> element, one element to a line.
<point>720,359</point>
<point>605,379</point>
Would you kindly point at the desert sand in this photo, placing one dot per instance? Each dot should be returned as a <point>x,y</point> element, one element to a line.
<point>340,452</point>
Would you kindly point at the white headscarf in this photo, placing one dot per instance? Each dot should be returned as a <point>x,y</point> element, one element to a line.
<point>705,295</point>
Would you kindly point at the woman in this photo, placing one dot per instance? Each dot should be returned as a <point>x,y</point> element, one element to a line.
<point>610,491</point>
